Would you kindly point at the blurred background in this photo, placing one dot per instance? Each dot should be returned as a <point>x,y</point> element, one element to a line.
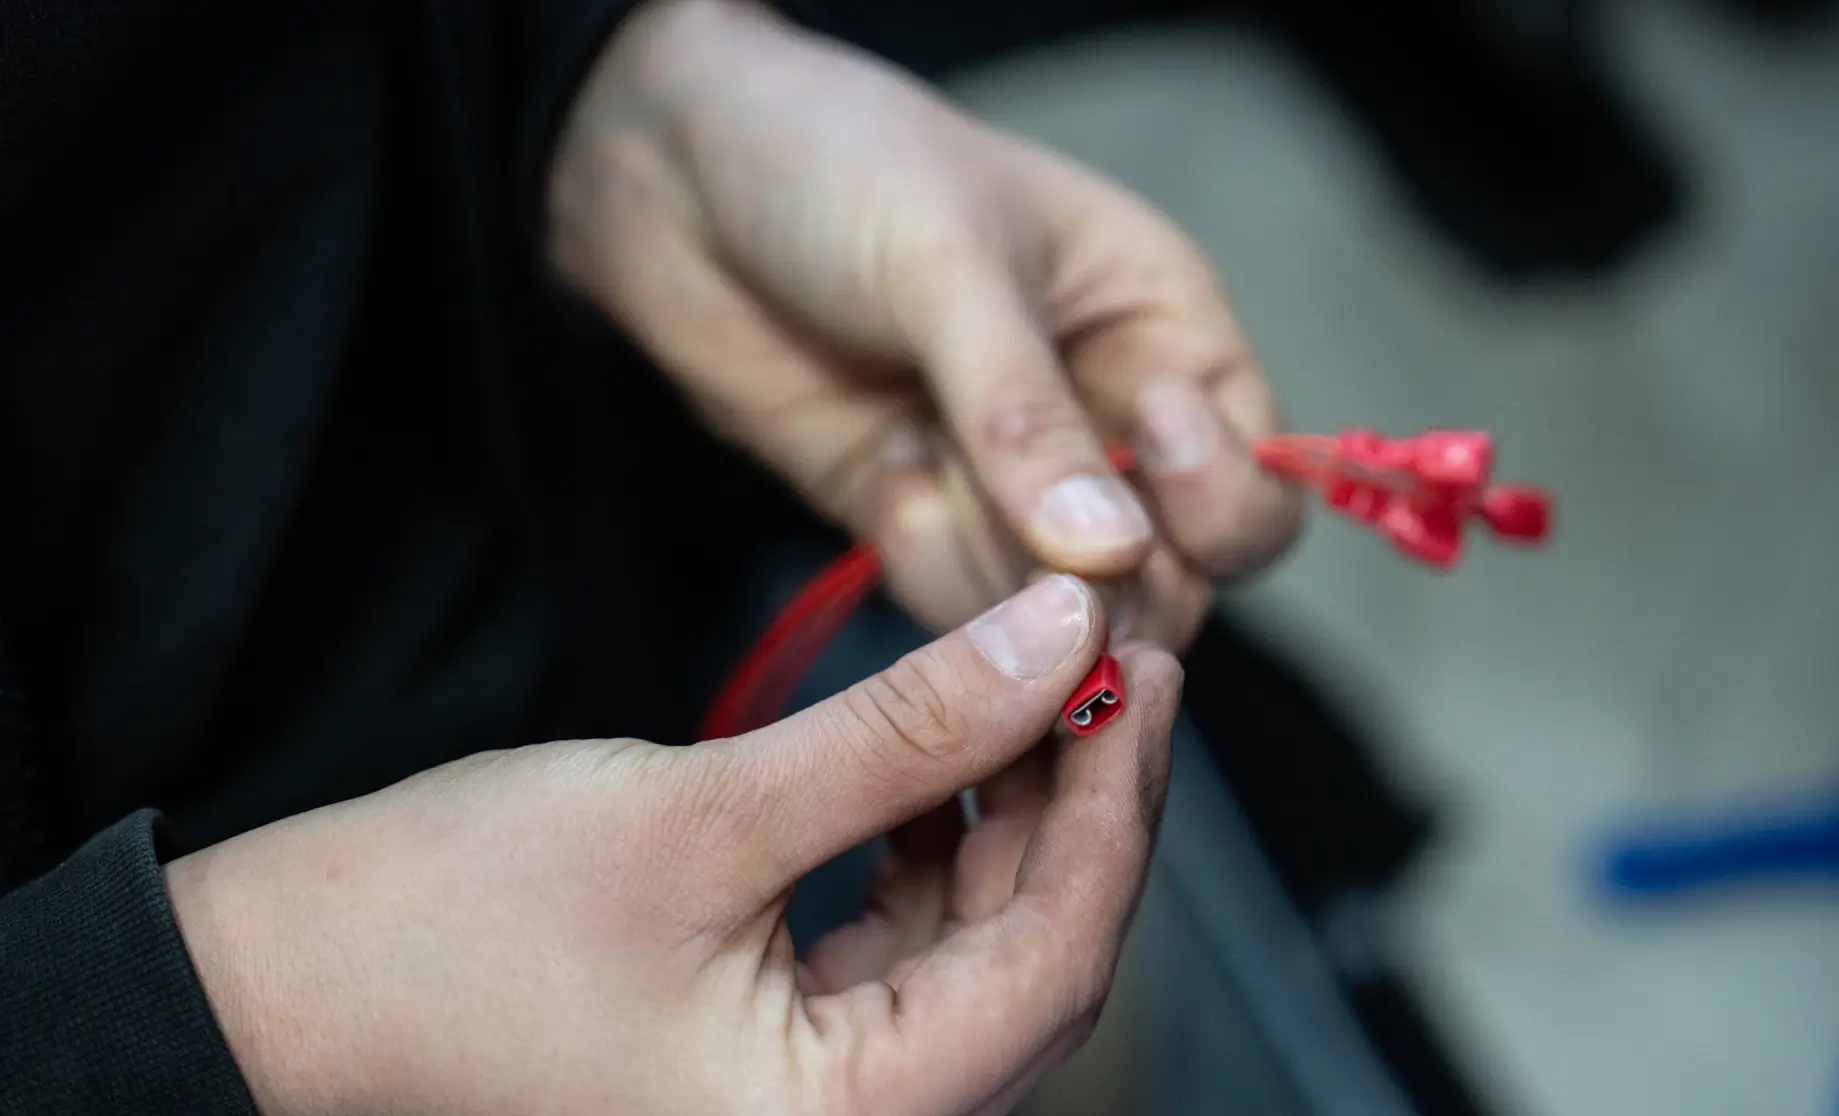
<point>1608,232</point>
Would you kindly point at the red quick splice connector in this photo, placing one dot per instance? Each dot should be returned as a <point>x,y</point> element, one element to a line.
<point>1419,492</point>
<point>1099,698</point>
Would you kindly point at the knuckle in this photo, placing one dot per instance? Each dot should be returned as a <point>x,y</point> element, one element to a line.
<point>1238,364</point>
<point>1085,1025</point>
<point>1275,512</point>
<point>842,1081</point>
<point>1085,1007</point>
<point>1083,963</point>
<point>943,239</point>
<point>1284,522</point>
<point>1035,424</point>
<point>706,806</point>
<point>914,708</point>
<point>1159,677</point>
<point>714,808</point>
<point>1095,991</point>
<point>1261,523</point>
<point>935,247</point>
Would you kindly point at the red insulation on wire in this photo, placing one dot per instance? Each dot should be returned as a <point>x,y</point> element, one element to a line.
<point>1419,492</point>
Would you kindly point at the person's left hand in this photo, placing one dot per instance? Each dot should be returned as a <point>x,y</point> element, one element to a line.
<point>930,328</point>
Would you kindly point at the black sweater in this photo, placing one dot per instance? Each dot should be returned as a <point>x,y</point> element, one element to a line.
<point>311,481</point>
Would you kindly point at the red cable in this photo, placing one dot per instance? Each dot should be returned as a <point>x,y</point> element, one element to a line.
<point>759,688</point>
<point>792,644</point>
<point>1403,488</point>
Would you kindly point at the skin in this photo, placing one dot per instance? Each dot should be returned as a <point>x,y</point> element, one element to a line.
<point>598,926</point>
<point>931,330</point>
<point>928,327</point>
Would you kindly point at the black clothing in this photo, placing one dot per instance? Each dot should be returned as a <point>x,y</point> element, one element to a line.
<point>311,480</point>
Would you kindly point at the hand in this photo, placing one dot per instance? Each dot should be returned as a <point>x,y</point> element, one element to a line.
<point>597,926</point>
<point>926,326</point>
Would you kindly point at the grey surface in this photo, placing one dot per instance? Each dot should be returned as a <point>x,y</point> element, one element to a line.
<point>1250,1020</point>
<point>1676,647</point>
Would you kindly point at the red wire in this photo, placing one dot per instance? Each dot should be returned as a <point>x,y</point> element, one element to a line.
<point>792,644</point>
<point>759,688</point>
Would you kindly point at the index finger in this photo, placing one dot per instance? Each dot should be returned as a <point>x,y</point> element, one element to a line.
<point>996,995</point>
<point>995,371</point>
<point>1172,357</point>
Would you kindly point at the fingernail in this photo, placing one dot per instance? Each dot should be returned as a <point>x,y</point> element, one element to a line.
<point>1094,511</point>
<point>1176,428</point>
<point>1033,632</point>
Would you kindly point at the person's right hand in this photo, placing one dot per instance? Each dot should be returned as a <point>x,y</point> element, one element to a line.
<point>597,926</point>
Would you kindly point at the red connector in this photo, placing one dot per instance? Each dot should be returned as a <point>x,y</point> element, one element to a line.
<point>1098,700</point>
<point>1419,492</point>
<point>763,683</point>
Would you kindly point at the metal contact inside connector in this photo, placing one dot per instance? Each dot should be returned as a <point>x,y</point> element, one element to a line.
<point>1082,716</point>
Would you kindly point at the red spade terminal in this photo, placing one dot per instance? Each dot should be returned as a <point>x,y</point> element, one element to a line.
<point>1420,492</point>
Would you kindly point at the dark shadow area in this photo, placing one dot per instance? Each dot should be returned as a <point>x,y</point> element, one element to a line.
<point>1517,148</point>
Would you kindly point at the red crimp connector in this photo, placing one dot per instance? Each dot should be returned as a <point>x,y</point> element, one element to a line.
<point>1517,513</point>
<point>1098,700</point>
<point>1419,492</point>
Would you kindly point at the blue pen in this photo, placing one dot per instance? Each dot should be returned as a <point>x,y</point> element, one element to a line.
<point>1787,843</point>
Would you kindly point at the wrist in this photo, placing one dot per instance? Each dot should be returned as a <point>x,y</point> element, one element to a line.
<point>295,1054</point>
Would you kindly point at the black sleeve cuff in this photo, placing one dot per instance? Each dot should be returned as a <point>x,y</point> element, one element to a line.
<point>103,1012</point>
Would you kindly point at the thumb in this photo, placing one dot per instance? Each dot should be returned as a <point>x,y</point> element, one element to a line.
<point>904,741</point>
<point>1001,389</point>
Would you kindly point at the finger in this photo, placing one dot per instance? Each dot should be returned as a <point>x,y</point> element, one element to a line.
<point>1000,993</point>
<point>848,955</point>
<point>915,886</point>
<point>910,902</point>
<point>1177,601</point>
<point>942,556</point>
<point>1214,502</point>
<point>1023,789</point>
<point>902,742</point>
<point>1009,809</point>
<point>1157,341</point>
<point>1003,393</point>
<point>1087,862</point>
